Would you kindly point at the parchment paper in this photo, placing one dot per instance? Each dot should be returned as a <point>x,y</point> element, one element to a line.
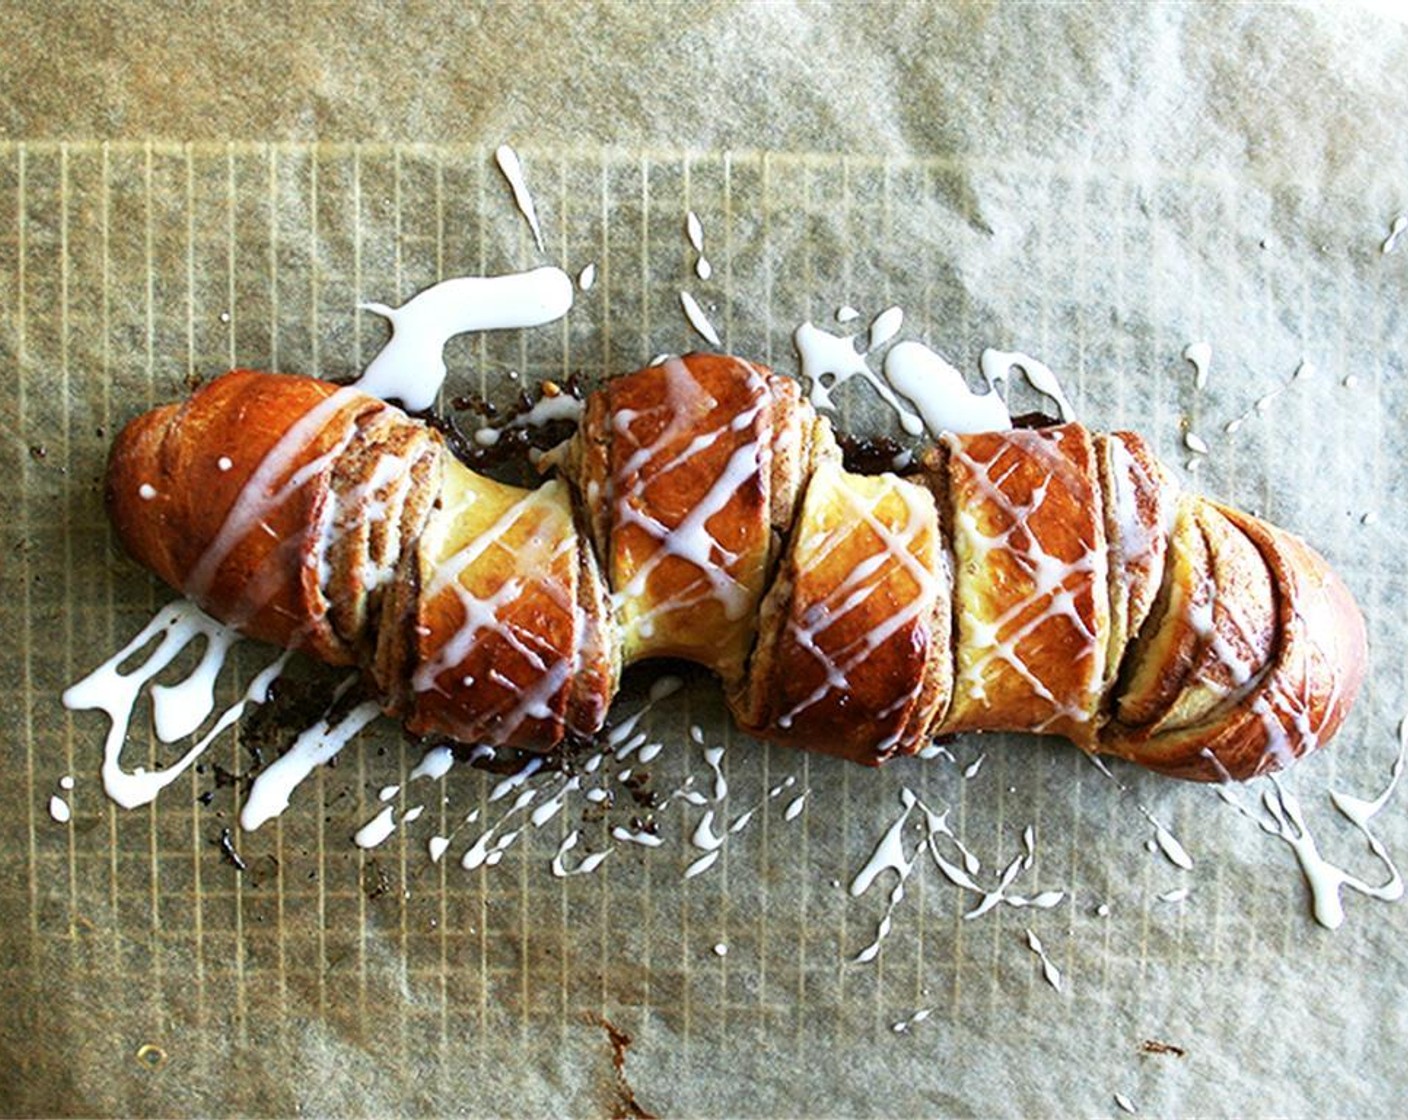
<point>1097,185</point>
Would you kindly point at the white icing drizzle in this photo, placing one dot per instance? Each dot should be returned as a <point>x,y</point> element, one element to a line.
<point>971,771</point>
<point>705,838</point>
<point>587,278</point>
<point>1125,1103</point>
<point>548,408</point>
<point>434,764</point>
<point>273,787</point>
<point>1049,971</point>
<point>889,855</point>
<point>1262,403</point>
<point>962,876</point>
<point>437,846</point>
<point>1285,820</point>
<point>846,313</point>
<point>713,756</point>
<point>1195,443</point>
<point>828,360</point>
<point>1178,894</point>
<point>905,1025</point>
<point>634,836</point>
<point>185,705</point>
<point>884,327</point>
<point>701,865</point>
<point>720,950</point>
<point>795,806</point>
<point>489,849</point>
<point>411,366</point>
<point>59,809</point>
<point>695,229</point>
<point>386,793</point>
<point>585,866</point>
<point>698,320</point>
<point>998,364</point>
<point>1199,356</point>
<point>555,803</point>
<point>376,830</point>
<point>512,168</point>
<point>940,393</point>
<point>516,781</point>
<point>1166,842</point>
<point>146,492</point>
<point>1400,223</point>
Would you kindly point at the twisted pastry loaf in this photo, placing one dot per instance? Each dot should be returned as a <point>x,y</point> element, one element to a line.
<point>1050,580</point>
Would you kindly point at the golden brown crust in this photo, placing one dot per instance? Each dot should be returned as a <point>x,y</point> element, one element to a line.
<point>247,554</point>
<point>677,466</point>
<point>854,632</point>
<point>1080,596</point>
<point>497,621</point>
<point>1030,593</point>
<point>1295,701</point>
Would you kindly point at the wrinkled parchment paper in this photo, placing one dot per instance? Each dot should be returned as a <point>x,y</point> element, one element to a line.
<point>1096,185</point>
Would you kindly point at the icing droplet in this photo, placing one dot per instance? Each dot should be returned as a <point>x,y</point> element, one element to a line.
<point>269,795</point>
<point>695,229</point>
<point>904,1025</point>
<point>884,327</point>
<point>59,810</point>
<point>720,950</point>
<point>698,320</point>
<point>828,360</point>
<point>941,394</point>
<point>434,764</point>
<point>512,168</point>
<point>586,278</point>
<point>146,491</point>
<point>997,365</point>
<point>1284,819</point>
<point>411,366</point>
<point>376,830</point>
<point>1199,354</point>
<point>1400,223</point>
<point>1051,973</point>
